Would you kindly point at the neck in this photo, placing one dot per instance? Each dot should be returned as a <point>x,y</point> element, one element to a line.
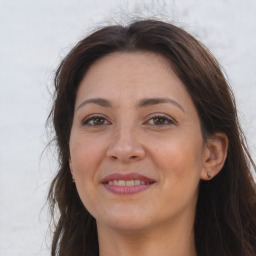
<point>175,239</point>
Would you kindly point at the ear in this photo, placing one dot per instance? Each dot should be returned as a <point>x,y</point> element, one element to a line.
<point>71,170</point>
<point>70,166</point>
<point>215,155</point>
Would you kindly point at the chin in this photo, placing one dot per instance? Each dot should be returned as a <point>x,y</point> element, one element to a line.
<point>128,226</point>
<point>126,221</point>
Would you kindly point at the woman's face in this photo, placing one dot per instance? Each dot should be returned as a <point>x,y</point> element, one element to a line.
<point>137,152</point>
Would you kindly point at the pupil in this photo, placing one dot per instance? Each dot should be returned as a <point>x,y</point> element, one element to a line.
<point>159,120</point>
<point>98,121</point>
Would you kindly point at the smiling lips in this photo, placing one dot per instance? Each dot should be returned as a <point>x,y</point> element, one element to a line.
<point>127,183</point>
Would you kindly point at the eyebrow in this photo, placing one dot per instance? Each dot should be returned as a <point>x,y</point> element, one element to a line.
<point>99,101</point>
<point>142,103</point>
<point>155,101</point>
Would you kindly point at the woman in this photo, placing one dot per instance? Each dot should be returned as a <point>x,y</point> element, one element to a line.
<point>152,160</point>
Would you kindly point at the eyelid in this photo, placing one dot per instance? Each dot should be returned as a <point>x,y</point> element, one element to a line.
<point>85,120</point>
<point>162,115</point>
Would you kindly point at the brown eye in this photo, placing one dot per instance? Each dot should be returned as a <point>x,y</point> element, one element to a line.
<point>98,121</point>
<point>160,121</point>
<point>95,121</point>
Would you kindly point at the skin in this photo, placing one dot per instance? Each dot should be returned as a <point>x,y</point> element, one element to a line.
<point>126,137</point>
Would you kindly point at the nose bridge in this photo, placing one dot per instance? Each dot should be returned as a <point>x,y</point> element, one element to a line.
<point>125,135</point>
<point>125,144</point>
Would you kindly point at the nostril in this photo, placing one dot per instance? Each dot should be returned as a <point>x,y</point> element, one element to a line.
<point>114,157</point>
<point>125,152</point>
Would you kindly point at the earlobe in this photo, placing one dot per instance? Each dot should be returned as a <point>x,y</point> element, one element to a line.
<point>70,166</point>
<point>71,170</point>
<point>215,156</point>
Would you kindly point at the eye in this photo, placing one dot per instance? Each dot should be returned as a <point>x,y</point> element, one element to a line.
<point>95,121</point>
<point>160,120</point>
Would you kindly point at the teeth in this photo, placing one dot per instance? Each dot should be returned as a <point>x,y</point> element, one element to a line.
<point>137,182</point>
<point>121,183</point>
<point>127,182</point>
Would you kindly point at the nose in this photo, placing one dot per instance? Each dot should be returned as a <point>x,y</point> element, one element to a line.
<point>125,146</point>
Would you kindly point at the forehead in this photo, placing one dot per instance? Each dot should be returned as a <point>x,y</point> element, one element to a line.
<point>123,75</point>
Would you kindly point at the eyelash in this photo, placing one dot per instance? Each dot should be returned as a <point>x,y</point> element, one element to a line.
<point>164,117</point>
<point>87,120</point>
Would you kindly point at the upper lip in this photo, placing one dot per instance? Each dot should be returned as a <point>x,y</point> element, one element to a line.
<point>128,176</point>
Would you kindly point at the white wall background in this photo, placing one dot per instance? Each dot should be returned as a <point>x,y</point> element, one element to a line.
<point>35,35</point>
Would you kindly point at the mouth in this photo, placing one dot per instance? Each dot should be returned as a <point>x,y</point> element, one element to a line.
<point>127,183</point>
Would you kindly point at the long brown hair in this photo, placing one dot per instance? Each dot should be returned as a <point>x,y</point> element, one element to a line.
<point>225,223</point>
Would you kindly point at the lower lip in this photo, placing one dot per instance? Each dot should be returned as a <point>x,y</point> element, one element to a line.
<point>124,190</point>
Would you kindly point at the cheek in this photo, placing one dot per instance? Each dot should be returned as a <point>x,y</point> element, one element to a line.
<point>179,160</point>
<point>86,155</point>
<point>179,166</point>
